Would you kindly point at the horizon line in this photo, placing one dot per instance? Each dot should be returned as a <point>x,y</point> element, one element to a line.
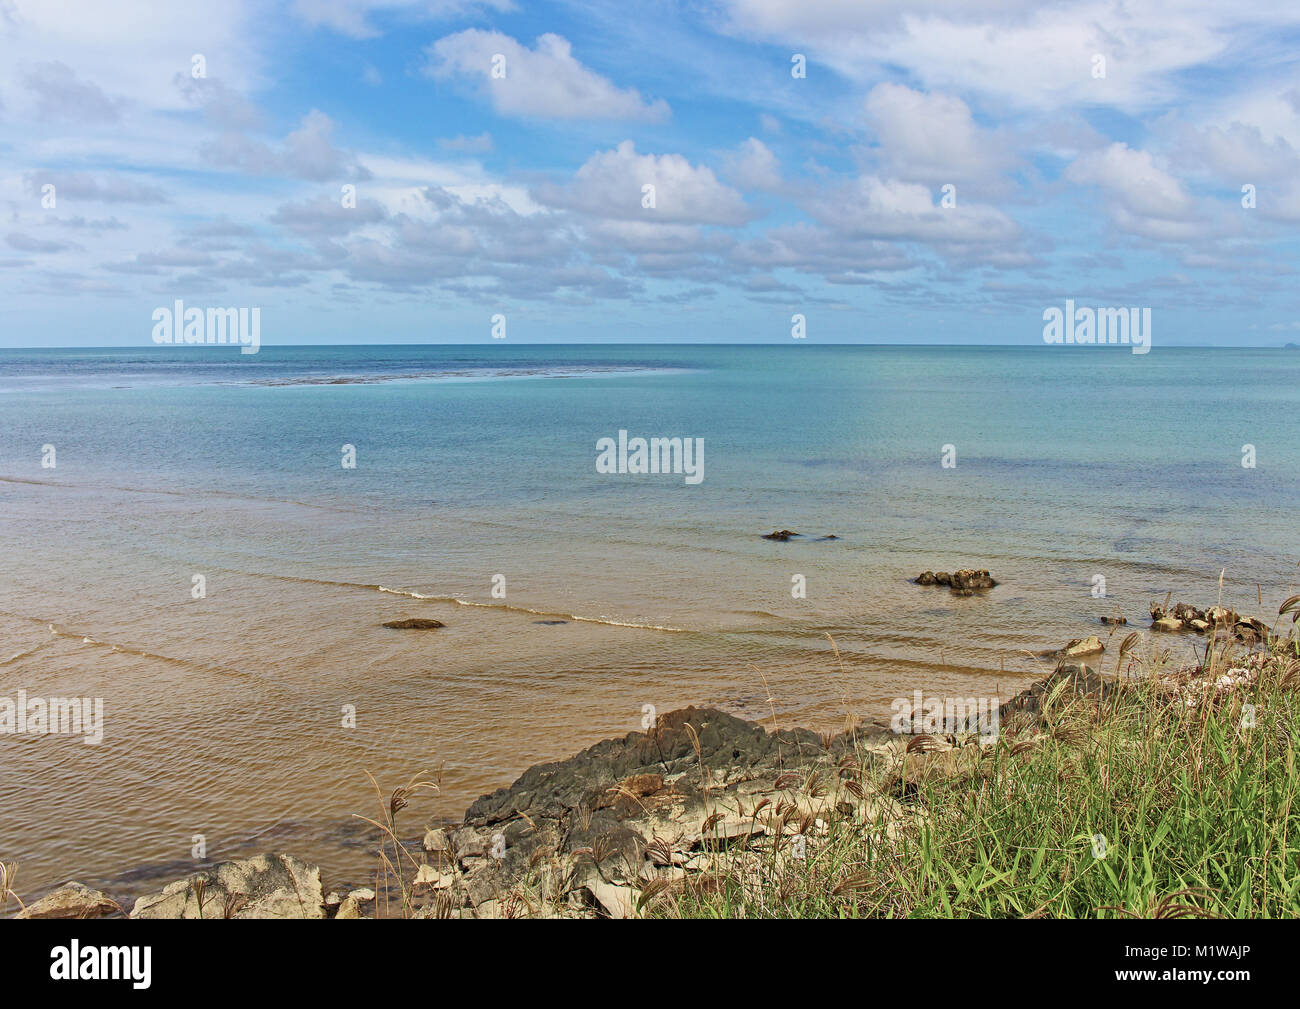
<point>1290,345</point>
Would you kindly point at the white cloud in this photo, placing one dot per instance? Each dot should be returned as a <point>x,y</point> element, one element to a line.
<point>1021,52</point>
<point>132,48</point>
<point>932,137</point>
<point>754,166</point>
<point>307,153</point>
<point>545,82</point>
<point>875,208</point>
<point>1144,198</point>
<point>609,184</point>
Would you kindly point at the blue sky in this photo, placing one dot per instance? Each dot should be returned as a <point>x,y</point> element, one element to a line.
<point>522,194</point>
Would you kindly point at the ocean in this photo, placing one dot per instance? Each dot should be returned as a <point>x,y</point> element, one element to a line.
<point>202,558</point>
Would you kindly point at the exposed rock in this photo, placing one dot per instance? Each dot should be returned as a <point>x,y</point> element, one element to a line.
<point>1115,621</point>
<point>437,841</point>
<point>615,901</point>
<point>968,579</point>
<point>964,582</point>
<point>265,886</point>
<point>1251,630</point>
<point>414,624</point>
<point>1091,645</point>
<point>781,535</point>
<point>832,536</point>
<point>1221,616</point>
<point>1080,680</point>
<point>75,900</point>
<point>1185,617</point>
<point>726,833</point>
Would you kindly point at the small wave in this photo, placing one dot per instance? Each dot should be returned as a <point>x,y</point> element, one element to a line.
<point>189,493</point>
<point>464,374</point>
<point>457,601</point>
<point>86,639</point>
<point>558,615</point>
<point>22,655</point>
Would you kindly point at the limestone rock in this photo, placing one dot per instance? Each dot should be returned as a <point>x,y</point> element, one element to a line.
<point>265,886</point>
<point>1090,645</point>
<point>72,901</point>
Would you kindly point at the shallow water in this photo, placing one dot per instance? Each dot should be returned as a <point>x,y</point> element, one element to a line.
<point>223,715</point>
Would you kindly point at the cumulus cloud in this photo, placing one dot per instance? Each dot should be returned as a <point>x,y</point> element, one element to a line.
<point>611,184</point>
<point>307,153</point>
<point>754,166</point>
<point>61,95</point>
<point>932,137</point>
<point>545,82</point>
<point>876,208</point>
<point>1143,198</point>
<point>1022,52</point>
<point>326,215</point>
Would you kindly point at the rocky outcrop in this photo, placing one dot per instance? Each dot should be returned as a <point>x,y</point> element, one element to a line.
<point>265,886</point>
<point>1219,620</point>
<point>781,535</point>
<point>72,901</point>
<point>1079,647</point>
<point>648,806</point>
<point>603,832</point>
<point>414,624</point>
<point>965,582</point>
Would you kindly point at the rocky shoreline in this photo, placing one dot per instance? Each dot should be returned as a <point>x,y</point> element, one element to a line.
<point>597,834</point>
<point>603,832</point>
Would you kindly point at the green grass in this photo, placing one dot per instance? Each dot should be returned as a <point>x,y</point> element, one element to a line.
<point>1197,809</point>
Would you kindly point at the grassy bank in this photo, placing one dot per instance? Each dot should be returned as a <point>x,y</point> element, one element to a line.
<point>1173,795</point>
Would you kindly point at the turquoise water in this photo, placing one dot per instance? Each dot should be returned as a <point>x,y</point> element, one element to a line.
<point>474,462</point>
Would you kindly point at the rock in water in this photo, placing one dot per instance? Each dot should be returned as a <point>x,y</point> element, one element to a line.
<point>414,624</point>
<point>1090,645</point>
<point>72,901</point>
<point>781,535</point>
<point>965,582</point>
<point>265,886</point>
<point>968,578</point>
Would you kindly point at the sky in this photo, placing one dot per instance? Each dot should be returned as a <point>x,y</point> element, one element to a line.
<point>401,171</point>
